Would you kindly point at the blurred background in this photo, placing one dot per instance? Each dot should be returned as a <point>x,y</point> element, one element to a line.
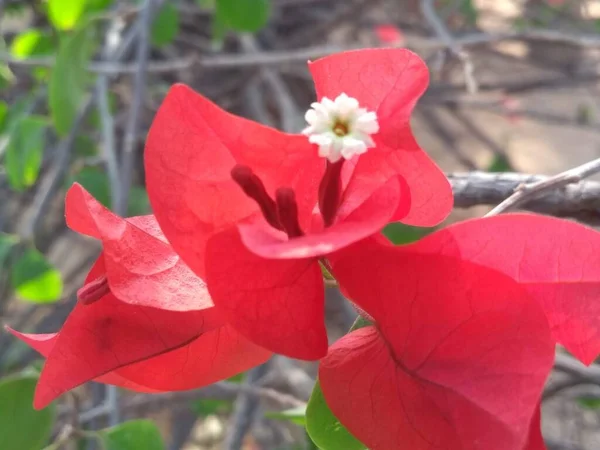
<point>514,92</point>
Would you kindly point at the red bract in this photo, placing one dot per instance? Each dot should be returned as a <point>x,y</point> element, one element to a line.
<point>557,262</point>
<point>457,358</point>
<point>250,209</point>
<point>144,320</point>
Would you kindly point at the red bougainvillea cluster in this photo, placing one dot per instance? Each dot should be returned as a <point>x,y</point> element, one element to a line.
<point>229,270</point>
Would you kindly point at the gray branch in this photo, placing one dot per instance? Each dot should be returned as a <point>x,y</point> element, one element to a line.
<point>578,200</point>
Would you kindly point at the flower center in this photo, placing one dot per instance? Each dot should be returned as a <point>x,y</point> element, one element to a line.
<point>282,213</point>
<point>340,127</point>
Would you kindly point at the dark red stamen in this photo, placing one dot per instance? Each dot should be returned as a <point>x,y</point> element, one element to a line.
<point>330,191</point>
<point>93,291</point>
<point>287,208</point>
<point>255,189</point>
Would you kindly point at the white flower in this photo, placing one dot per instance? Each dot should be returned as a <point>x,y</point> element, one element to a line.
<point>340,127</point>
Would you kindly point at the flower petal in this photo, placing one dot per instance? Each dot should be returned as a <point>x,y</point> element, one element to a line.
<point>278,304</point>
<point>389,81</point>
<point>556,261</point>
<point>190,151</point>
<point>450,336</point>
<point>353,225</point>
<point>141,267</point>
<point>536,440</point>
<point>107,334</point>
<point>44,343</point>
<point>215,355</point>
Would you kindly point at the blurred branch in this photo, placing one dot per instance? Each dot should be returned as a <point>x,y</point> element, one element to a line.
<point>578,200</point>
<point>244,410</point>
<point>139,89</point>
<point>442,32</point>
<point>526,192</point>
<point>302,55</point>
<point>223,390</point>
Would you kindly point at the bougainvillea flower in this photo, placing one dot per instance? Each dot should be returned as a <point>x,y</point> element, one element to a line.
<point>456,359</point>
<point>251,209</point>
<point>556,261</point>
<point>143,321</point>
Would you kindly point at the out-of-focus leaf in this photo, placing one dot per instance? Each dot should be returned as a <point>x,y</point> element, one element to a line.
<point>133,435</point>
<point>97,5</point>
<point>22,427</point>
<point>244,15</point>
<point>324,429</point>
<point>469,11</point>
<point>31,43</point>
<point>165,25</point>
<point>85,146</point>
<point>3,115</point>
<point>589,403</point>
<point>400,234</point>
<point>94,118</point>
<point>34,279</point>
<point>69,78</point>
<point>138,202</point>
<point>24,152</point>
<point>208,407</point>
<point>295,415</point>
<point>64,14</point>
<point>500,163</point>
<point>6,77</point>
<point>7,242</point>
<point>95,181</point>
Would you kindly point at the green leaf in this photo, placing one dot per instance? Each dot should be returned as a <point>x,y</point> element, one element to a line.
<point>25,151</point>
<point>32,42</point>
<point>138,202</point>
<point>500,163</point>
<point>21,426</point>
<point>589,403</point>
<point>64,14</point>
<point>7,242</point>
<point>3,116</point>
<point>208,407</point>
<point>295,415</point>
<point>133,435</point>
<point>97,5</point>
<point>400,234</point>
<point>469,11</point>
<point>165,26</point>
<point>35,279</point>
<point>95,181</point>
<point>69,78</point>
<point>324,428</point>
<point>244,15</point>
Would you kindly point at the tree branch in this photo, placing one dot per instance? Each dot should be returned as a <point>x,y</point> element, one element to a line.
<point>578,200</point>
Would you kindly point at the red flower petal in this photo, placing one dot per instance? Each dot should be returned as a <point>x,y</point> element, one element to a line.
<point>108,334</point>
<point>278,304</point>
<point>556,261</point>
<point>44,343</point>
<point>388,81</point>
<point>536,440</point>
<point>192,147</point>
<point>214,356</point>
<point>450,337</point>
<point>361,222</point>
<point>141,267</point>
